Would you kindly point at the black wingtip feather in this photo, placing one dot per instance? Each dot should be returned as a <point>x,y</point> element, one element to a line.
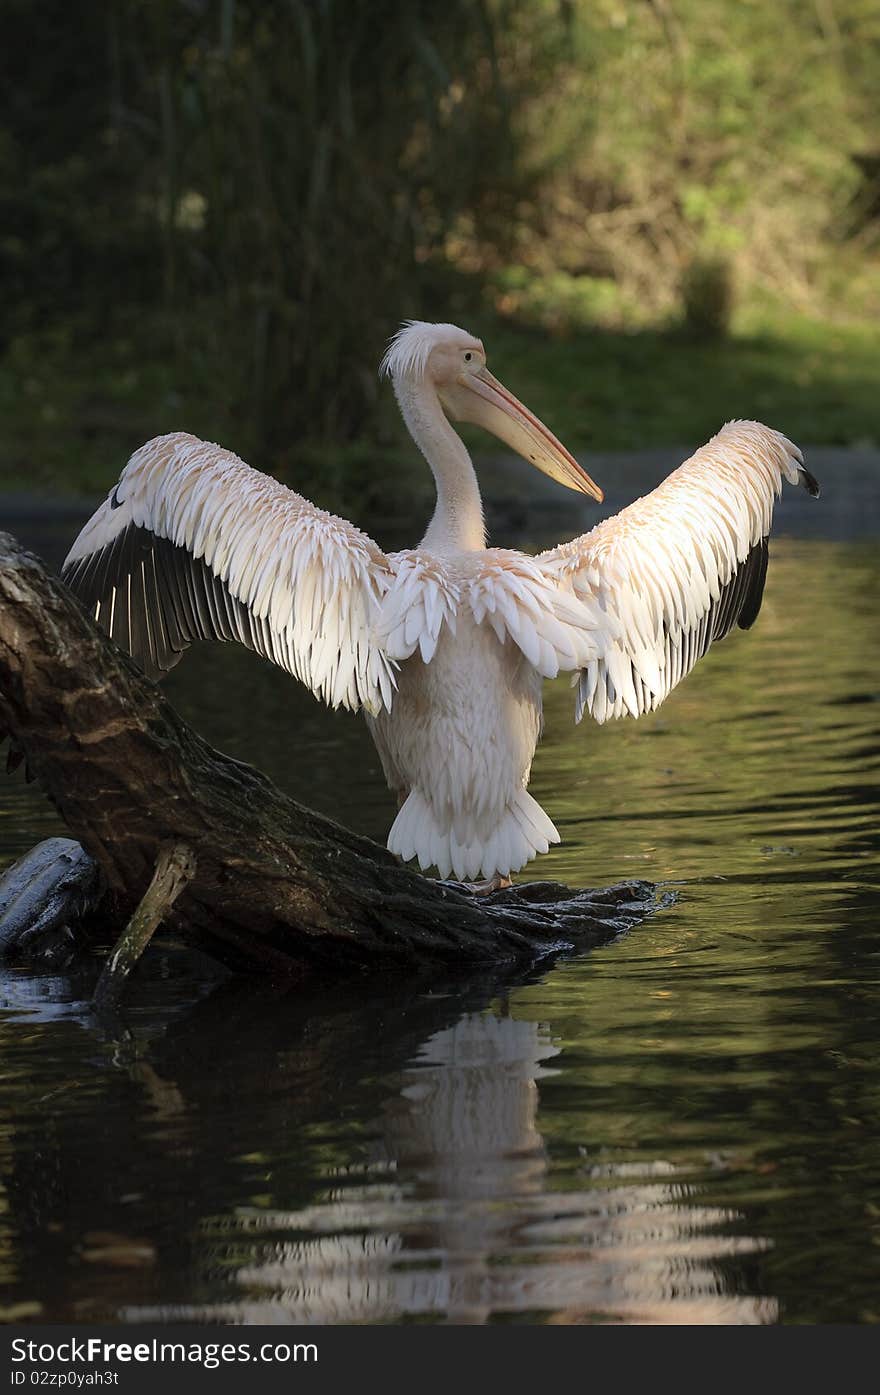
<point>809,482</point>
<point>756,576</point>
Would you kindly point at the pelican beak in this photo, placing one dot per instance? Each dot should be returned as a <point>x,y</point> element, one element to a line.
<point>480,399</point>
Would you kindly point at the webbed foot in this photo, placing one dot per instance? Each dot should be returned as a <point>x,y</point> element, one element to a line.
<point>496,883</point>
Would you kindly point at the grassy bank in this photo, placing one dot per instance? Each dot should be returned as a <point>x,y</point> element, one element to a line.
<point>71,416</point>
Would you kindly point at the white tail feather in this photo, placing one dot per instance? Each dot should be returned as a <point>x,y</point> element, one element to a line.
<point>522,831</point>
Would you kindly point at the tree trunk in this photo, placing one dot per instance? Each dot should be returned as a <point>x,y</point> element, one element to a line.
<point>272,883</point>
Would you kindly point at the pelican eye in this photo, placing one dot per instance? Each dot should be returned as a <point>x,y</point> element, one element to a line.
<point>468,356</point>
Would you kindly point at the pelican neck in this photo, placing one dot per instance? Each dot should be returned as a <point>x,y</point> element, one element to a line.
<point>457,524</point>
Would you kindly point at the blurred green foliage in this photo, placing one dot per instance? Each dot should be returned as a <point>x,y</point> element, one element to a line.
<point>683,129</point>
<point>214,212</point>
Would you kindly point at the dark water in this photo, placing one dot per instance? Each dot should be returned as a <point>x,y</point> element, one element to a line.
<point>679,1127</point>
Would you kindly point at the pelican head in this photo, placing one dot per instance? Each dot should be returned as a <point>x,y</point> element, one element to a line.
<point>453,362</point>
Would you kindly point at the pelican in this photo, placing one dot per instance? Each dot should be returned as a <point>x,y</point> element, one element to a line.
<point>445,647</point>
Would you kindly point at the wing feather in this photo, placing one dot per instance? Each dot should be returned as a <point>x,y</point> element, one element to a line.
<point>679,569</point>
<point>193,544</point>
<point>506,591</point>
<point>554,628</point>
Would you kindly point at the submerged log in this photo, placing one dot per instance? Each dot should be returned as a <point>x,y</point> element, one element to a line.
<point>269,882</point>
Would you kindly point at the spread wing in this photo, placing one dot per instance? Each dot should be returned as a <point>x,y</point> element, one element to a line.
<point>678,569</point>
<point>194,544</point>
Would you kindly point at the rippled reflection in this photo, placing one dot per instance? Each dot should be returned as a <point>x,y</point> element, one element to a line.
<point>473,1232</point>
<point>680,1127</point>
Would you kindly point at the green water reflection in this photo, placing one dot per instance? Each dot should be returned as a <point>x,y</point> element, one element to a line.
<point>679,1127</point>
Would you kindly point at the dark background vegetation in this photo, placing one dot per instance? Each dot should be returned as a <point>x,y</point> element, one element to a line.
<point>659,214</point>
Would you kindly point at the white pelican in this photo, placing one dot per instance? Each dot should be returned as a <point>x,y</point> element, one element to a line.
<point>445,646</point>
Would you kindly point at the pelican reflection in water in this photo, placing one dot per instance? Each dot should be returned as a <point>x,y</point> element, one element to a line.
<point>444,1208</point>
